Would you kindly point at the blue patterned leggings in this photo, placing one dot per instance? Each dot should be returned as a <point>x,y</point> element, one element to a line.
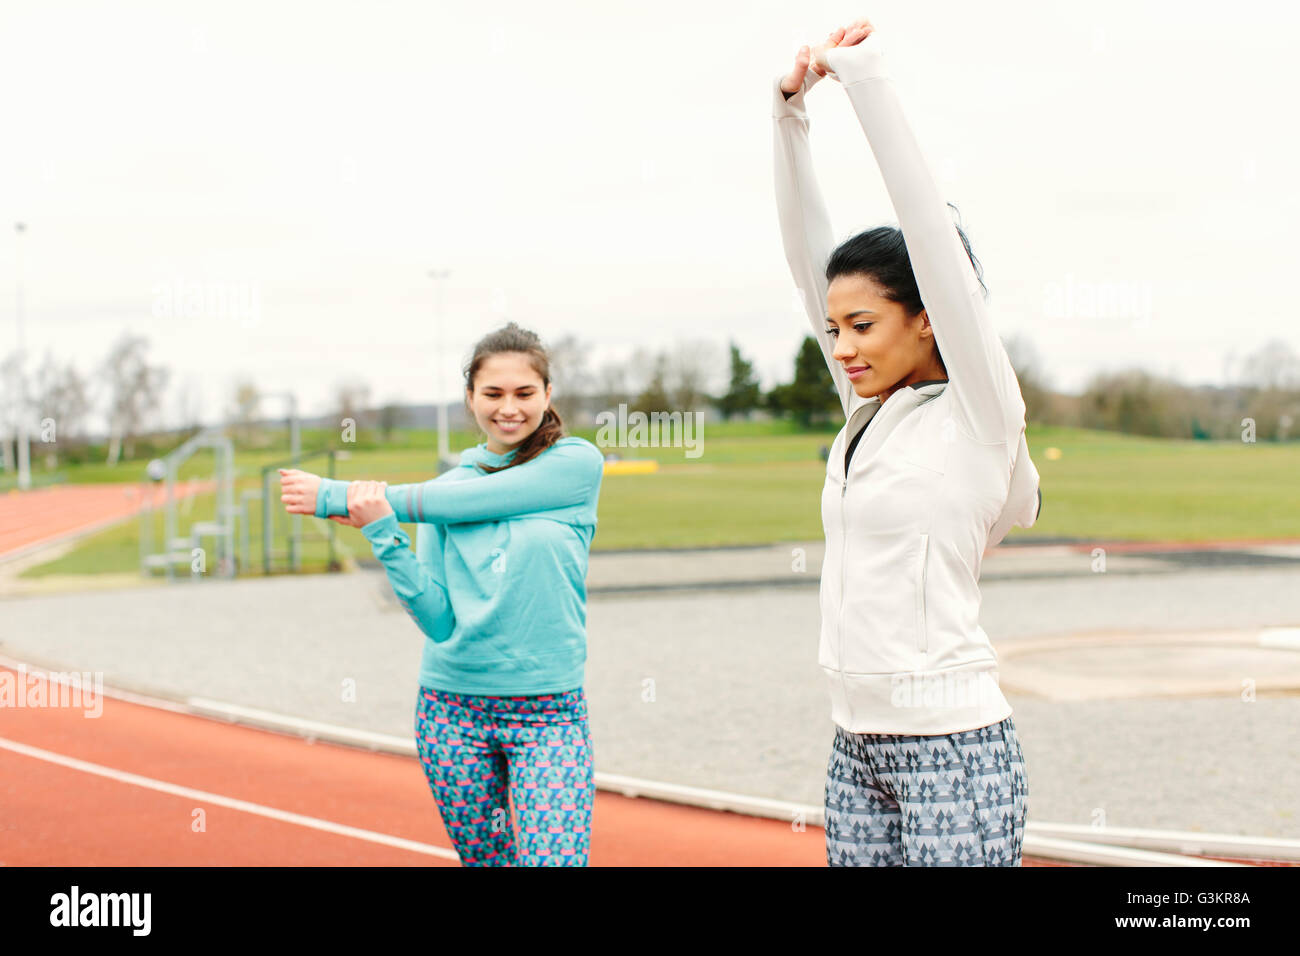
<point>946,800</point>
<point>484,754</point>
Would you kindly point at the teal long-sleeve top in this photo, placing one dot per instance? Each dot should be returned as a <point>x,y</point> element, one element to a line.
<point>497,582</point>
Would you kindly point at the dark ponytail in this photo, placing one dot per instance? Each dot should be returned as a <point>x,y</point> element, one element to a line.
<point>511,338</point>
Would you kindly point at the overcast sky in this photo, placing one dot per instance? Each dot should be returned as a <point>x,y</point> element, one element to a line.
<point>605,170</point>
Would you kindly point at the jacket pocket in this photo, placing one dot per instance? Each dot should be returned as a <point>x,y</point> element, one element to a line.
<point>922,640</point>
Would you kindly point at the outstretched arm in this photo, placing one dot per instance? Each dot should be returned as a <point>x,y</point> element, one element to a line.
<point>563,476</point>
<point>805,224</point>
<point>985,389</point>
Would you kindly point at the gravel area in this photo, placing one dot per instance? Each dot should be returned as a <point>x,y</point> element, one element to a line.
<point>720,688</point>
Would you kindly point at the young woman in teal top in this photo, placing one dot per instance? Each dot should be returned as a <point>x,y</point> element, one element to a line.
<point>498,586</point>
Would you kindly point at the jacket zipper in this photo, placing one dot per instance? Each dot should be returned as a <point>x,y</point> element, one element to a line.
<point>839,617</point>
<point>844,545</point>
<point>844,540</point>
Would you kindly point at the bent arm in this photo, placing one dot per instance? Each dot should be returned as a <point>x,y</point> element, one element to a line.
<point>805,224</point>
<point>985,389</point>
<point>423,596</point>
<point>563,476</point>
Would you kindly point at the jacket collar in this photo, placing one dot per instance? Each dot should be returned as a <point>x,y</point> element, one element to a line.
<point>899,404</point>
<point>926,390</point>
<point>479,454</point>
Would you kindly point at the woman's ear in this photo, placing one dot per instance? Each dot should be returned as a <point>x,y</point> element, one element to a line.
<point>926,330</point>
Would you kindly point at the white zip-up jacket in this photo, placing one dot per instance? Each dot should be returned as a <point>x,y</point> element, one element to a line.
<point>941,472</point>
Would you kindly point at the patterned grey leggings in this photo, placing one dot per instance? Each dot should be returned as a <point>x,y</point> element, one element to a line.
<point>945,800</point>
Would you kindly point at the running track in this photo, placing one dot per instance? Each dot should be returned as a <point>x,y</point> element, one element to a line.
<point>60,815</point>
<point>31,519</point>
<point>121,790</point>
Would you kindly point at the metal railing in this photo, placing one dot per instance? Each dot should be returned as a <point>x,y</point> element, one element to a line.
<point>291,525</point>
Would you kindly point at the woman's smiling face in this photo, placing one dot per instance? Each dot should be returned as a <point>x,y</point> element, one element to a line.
<point>879,345</point>
<point>508,400</point>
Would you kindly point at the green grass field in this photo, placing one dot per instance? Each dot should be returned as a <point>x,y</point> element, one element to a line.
<point>757,483</point>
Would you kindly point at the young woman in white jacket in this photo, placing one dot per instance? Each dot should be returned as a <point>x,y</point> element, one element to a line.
<point>930,470</point>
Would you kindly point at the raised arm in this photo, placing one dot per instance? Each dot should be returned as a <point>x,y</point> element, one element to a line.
<point>1024,497</point>
<point>987,395</point>
<point>566,475</point>
<point>421,592</point>
<point>805,224</point>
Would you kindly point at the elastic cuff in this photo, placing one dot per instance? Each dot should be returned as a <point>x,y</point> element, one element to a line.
<point>383,530</point>
<point>782,107</point>
<point>862,61</point>
<point>331,498</point>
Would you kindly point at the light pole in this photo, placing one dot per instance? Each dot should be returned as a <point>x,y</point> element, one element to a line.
<point>444,442</point>
<point>24,447</point>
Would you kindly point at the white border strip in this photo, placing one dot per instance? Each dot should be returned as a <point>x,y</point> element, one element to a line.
<point>1108,846</point>
<point>1177,841</point>
<point>1075,851</point>
<point>310,729</point>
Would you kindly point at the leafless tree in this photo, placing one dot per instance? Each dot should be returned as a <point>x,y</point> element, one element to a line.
<point>12,374</point>
<point>1273,366</point>
<point>611,386</point>
<point>1029,370</point>
<point>692,369</point>
<point>188,408</point>
<point>654,395</point>
<point>570,377</point>
<point>245,409</point>
<point>62,401</point>
<point>135,391</point>
<point>391,416</point>
<point>351,400</point>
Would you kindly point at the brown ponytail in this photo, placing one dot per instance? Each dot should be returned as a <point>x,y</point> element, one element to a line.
<point>511,338</point>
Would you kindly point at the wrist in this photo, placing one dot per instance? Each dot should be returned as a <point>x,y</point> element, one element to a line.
<point>381,529</point>
<point>858,62</point>
<point>331,498</point>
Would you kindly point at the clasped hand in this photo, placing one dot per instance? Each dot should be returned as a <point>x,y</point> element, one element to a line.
<point>815,59</point>
<point>367,500</point>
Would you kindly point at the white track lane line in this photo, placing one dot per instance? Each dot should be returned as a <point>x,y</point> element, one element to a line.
<point>217,799</point>
<point>1045,840</point>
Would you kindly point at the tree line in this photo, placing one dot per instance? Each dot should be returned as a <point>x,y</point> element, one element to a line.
<point>129,392</point>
